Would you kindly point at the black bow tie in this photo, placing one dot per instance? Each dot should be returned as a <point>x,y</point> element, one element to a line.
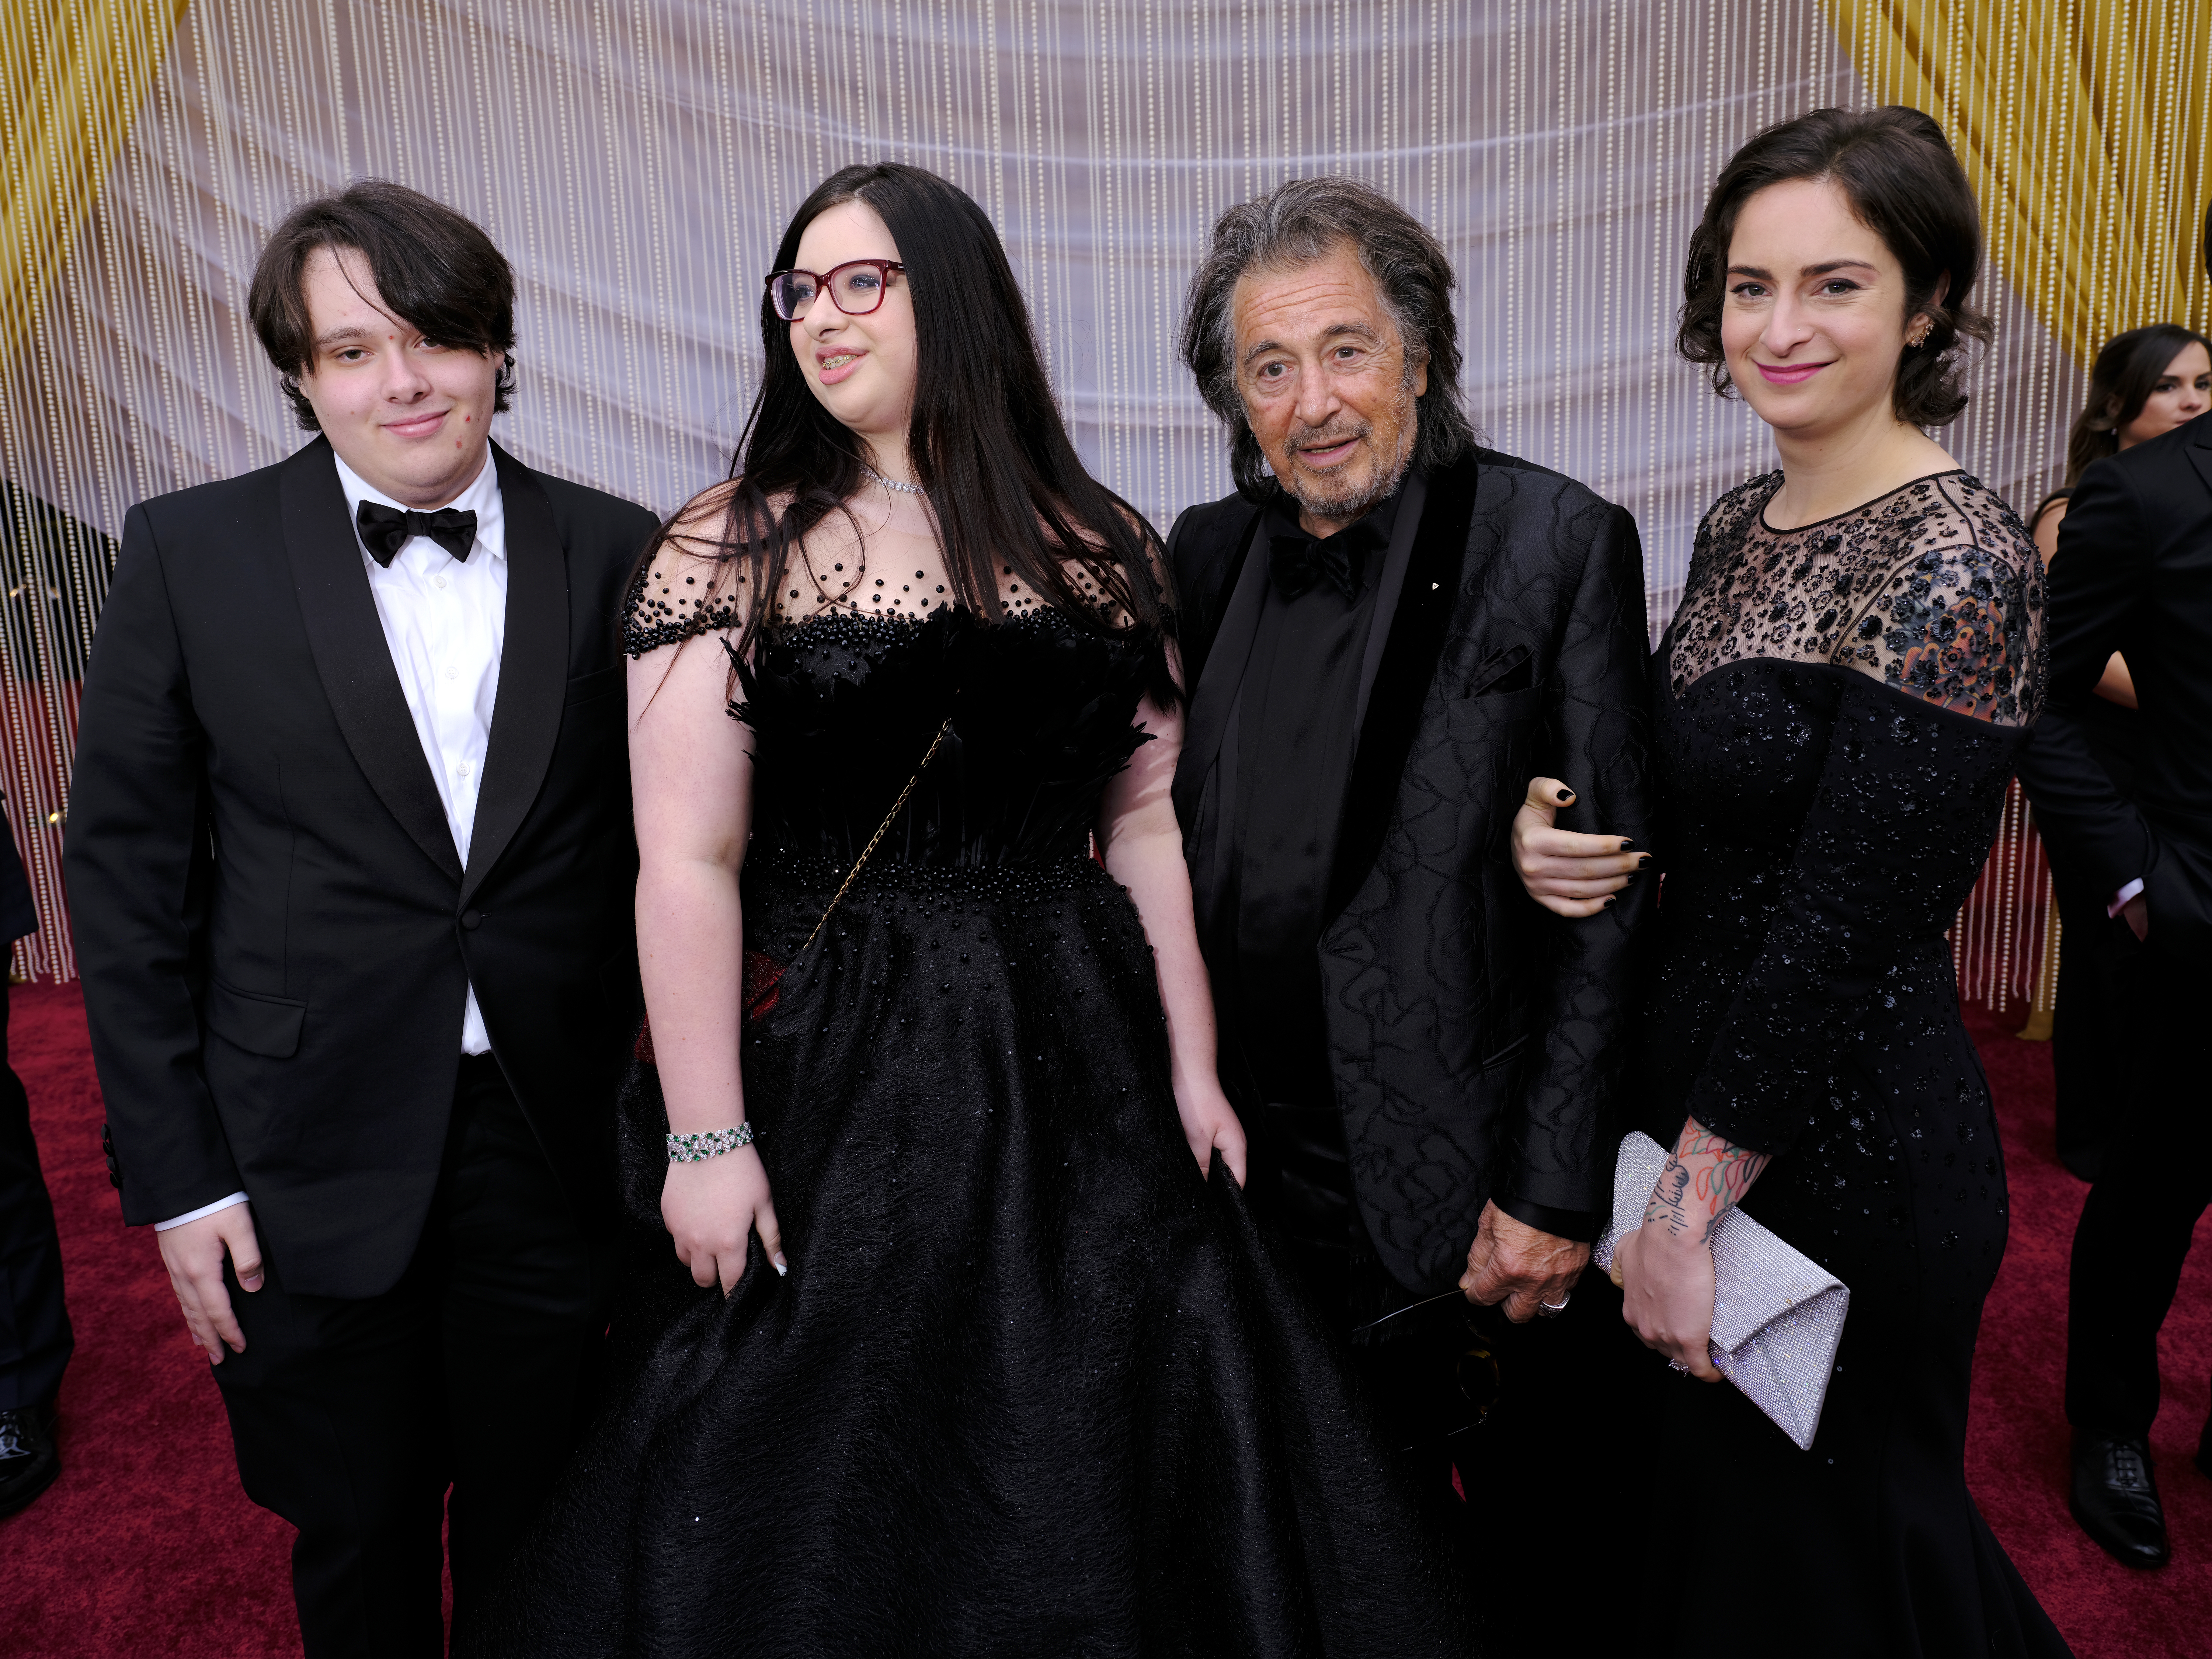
<point>1297,560</point>
<point>386,530</point>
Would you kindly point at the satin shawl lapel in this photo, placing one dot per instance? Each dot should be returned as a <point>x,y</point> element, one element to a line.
<point>1389,583</point>
<point>351,656</point>
<point>533,669</point>
<point>1215,694</point>
<point>1419,623</point>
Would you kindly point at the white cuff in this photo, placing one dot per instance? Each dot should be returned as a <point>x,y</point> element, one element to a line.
<point>2120,899</point>
<point>204,1209</point>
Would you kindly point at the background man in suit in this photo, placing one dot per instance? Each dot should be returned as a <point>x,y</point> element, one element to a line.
<point>351,860</point>
<point>1384,641</point>
<point>2134,575</point>
<point>35,1340</point>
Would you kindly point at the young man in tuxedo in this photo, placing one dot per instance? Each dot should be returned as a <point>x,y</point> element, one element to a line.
<point>1386,632</point>
<point>351,871</point>
<point>2134,575</point>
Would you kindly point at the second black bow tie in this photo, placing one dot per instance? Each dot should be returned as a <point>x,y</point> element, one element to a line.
<point>386,530</point>
<point>1297,560</point>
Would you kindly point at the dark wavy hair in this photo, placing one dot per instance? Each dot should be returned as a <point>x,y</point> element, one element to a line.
<point>2121,381</point>
<point>1896,168</point>
<point>1295,224</point>
<point>432,266</point>
<point>986,439</point>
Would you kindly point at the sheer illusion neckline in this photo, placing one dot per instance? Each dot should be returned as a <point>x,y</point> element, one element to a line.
<point>1870,502</point>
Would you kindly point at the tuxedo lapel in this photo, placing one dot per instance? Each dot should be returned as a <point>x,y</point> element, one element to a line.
<point>534,668</point>
<point>1419,619</point>
<point>1404,530</point>
<point>1215,694</point>
<point>352,658</point>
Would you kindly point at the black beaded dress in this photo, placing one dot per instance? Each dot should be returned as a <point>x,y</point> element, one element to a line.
<point>1033,1385</point>
<point>1838,708</point>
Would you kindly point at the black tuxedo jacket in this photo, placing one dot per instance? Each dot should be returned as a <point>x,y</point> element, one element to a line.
<point>1474,1039</point>
<point>2134,575</point>
<point>276,935</point>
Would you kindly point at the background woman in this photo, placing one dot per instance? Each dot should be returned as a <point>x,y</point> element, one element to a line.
<point>1004,1371</point>
<point>1839,701</point>
<point>2145,382</point>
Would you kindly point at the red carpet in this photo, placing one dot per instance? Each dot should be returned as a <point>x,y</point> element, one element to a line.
<point>147,1545</point>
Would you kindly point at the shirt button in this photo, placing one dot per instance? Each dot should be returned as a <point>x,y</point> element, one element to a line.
<point>452,673</point>
<point>464,769</point>
<point>438,580</point>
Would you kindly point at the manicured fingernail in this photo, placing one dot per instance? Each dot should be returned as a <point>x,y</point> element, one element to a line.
<point>1628,847</point>
<point>1643,861</point>
<point>782,1267</point>
<point>1566,794</point>
<point>1610,902</point>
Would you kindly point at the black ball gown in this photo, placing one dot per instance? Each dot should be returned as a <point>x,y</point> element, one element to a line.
<point>1837,711</point>
<point>1033,1385</point>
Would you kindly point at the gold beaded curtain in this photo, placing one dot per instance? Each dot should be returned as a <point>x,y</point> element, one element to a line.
<point>636,163</point>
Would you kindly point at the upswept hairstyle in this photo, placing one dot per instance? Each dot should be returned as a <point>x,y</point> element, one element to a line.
<point>1296,223</point>
<point>1896,168</point>
<point>432,266</point>
<point>986,439</point>
<point>2120,383</point>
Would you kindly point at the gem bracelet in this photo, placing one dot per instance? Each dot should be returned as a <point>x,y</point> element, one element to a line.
<point>697,1149</point>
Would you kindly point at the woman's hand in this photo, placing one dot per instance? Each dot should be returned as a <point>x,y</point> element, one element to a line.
<point>711,1206</point>
<point>1568,874</point>
<point>1209,1123</point>
<point>1666,1287</point>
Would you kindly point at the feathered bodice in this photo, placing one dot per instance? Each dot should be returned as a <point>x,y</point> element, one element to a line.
<point>842,707</point>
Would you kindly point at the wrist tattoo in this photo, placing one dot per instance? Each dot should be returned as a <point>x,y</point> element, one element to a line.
<point>1705,1175</point>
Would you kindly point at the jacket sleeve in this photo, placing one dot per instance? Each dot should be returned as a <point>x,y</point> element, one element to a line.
<point>1567,1131</point>
<point>1907,799</point>
<point>135,855</point>
<point>2099,582</point>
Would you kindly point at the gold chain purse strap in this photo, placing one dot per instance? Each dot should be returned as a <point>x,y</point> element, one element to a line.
<point>882,829</point>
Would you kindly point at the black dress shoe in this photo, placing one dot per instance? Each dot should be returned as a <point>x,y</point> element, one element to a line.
<point>2116,1499</point>
<point>28,1460</point>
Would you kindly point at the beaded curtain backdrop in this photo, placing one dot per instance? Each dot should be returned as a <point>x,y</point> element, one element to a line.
<point>636,163</point>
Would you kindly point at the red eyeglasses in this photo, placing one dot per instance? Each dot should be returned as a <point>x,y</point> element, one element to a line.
<point>855,287</point>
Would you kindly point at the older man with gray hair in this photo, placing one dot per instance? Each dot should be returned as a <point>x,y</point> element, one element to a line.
<point>1386,630</point>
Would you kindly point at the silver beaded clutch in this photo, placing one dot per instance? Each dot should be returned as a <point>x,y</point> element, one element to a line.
<point>1777,1315</point>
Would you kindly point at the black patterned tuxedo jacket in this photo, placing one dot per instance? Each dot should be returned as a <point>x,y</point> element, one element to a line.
<point>275,933</point>
<point>1475,1040</point>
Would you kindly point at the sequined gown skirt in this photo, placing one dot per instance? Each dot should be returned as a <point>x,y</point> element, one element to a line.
<point>1032,1386</point>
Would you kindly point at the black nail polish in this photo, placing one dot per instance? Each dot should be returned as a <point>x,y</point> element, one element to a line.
<point>1644,862</point>
<point>1628,847</point>
<point>1610,902</point>
<point>1566,794</point>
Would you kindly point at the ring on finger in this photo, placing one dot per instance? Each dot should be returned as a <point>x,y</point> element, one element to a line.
<point>1677,1365</point>
<point>1553,1309</point>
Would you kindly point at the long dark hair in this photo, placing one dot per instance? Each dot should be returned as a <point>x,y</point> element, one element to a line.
<point>1897,170</point>
<point>986,439</point>
<point>2121,381</point>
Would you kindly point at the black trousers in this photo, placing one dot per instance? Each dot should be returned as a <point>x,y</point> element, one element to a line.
<point>35,1340</point>
<point>2154,1182</point>
<point>351,1418</point>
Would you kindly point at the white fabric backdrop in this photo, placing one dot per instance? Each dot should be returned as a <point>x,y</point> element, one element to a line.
<point>636,162</point>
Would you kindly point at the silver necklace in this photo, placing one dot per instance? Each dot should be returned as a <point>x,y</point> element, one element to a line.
<point>893,483</point>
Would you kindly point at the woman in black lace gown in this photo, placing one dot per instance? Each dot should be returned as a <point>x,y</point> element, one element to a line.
<point>966,1344</point>
<point>1837,708</point>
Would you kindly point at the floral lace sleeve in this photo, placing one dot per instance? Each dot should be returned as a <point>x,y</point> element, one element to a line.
<point>1934,589</point>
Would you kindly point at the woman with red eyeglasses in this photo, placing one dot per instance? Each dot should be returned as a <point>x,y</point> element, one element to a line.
<point>965,1342</point>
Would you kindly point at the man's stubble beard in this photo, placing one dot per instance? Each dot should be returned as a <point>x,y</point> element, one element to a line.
<point>1353,505</point>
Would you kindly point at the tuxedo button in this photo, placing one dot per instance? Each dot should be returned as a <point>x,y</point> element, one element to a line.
<point>473,919</point>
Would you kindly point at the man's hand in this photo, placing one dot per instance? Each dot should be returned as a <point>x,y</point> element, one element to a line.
<point>193,1254</point>
<point>2136,913</point>
<point>1513,1262</point>
<point>1569,874</point>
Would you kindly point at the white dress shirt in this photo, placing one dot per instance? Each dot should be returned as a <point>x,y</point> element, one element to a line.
<point>445,623</point>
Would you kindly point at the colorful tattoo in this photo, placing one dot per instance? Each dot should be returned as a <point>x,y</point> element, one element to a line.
<point>1705,1175</point>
